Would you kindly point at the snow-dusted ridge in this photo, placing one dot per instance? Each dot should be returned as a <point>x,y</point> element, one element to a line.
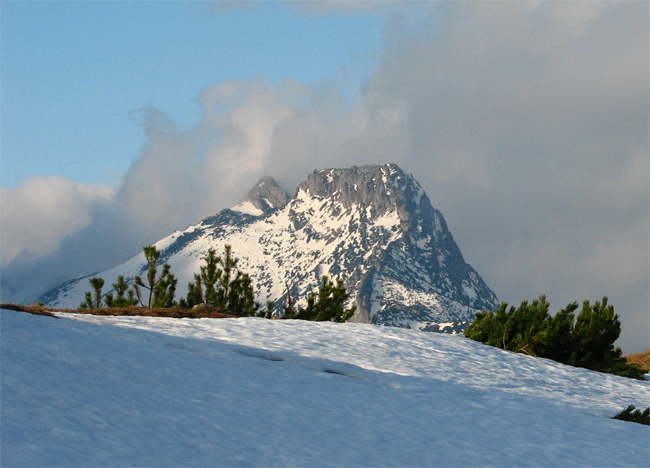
<point>373,226</point>
<point>139,391</point>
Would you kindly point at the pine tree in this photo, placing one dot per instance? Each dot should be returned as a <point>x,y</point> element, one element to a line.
<point>241,296</point>
<point>328,304</point>
<point>202,290</point>
<point>634,415</point>
<point>88,301</point>
<point>165,289</point>
<point>559,343</point>
<point>124,296</point>
<point>93,302</point>
<point>225,282</point>
<point>597,328</point>
<point>221,284</point>
<point>589,342</point>
<point>289,310</point>
<point>269,310</point>
<point>97,284</point>
<point>162,288</point>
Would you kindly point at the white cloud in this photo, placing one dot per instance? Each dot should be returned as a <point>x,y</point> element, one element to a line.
<point>251,113</point>
<point>40,213</point>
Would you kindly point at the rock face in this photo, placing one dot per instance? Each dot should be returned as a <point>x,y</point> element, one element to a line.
<point>266,195</point>
<point>372,226</point>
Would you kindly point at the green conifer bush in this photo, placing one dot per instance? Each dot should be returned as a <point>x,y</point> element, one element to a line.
<point>634,415</point>
<point>222,284</point>
<point>93,301</point>
<point>124,295</point>
<point>161,289</point>
<point>328,304</point>
<point>587,341</point>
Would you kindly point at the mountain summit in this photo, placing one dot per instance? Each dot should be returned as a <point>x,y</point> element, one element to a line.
<point>372,226</point>
<point>264,196</point>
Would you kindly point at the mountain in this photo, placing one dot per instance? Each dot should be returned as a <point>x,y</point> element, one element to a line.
<point>372,226</point>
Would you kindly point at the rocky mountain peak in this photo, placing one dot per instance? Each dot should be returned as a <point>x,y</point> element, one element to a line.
<point>265,196</point>
<point>379,187</point>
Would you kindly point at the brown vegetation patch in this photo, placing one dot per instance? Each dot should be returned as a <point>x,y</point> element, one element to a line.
<point>174,312</point>
<point>33,309</point>
<point>640,359</point>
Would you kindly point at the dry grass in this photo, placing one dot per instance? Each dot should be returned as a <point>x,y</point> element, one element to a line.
<point>640,359</point>
<point>33,309</point>
<point>204,312</point>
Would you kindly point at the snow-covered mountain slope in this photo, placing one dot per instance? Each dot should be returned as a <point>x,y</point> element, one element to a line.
<point>134,391</point>
<point>372,226</point>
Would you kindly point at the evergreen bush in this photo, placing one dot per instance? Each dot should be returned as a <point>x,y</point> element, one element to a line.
<point>219,284</point>
<point>328,304</point>
<point>634,415</point>
<point>222,284</point>
<point>90,301</point>
<point>124,297</point>
<point>161,288</point>
<point>587,341</point>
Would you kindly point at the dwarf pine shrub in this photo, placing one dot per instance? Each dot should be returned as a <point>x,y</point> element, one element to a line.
<point>587,341</point>
<point>634,415</point>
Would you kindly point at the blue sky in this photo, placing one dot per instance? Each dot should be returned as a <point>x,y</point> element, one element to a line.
<point>527,124</point>
<point>76,74</point>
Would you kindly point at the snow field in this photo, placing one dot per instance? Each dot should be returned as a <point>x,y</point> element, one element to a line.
<point>137,391</point>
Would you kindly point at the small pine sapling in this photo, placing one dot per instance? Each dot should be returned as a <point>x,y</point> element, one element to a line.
<point>289,310</point>
<point>124,296</point>
<point>161,288</point>
<point>93,301</point>
<point>270,305</point>
<point>221,284</point>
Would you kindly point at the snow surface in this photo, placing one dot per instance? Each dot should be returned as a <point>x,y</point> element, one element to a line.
<point>137,391</point>
<point>247,207</point>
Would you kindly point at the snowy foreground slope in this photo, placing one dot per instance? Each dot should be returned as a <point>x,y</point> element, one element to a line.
<point>136,391</point>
